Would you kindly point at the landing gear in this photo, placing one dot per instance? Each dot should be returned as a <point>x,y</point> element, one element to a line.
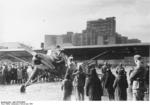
<point>23,89</point>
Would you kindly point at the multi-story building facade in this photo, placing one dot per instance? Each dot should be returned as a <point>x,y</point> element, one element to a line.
<point>97,32</point>
<point>50,41</point>
<point>100,30</point>
<point>77,39</point>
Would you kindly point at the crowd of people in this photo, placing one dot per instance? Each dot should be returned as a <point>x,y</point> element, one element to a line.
<point>19,72</point>
<point>12,73</point>
<point>111,84</point>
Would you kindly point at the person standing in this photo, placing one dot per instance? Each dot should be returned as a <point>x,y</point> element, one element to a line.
<point>67,88</point>
<point>93,86</point>
<point>103,78</point>
<point>120,67</point>
<point>24,73</point>
<point>14,73</point>
<point>29,71</point>
<point>60,61</point>
<point>3,74</point>
<point>109,84</point>
<point>72,67</point>
<point>8,75</point>
<point>147,82</point>
<point>19,75</point>
<point>121,85</point>
<point>80,78</point>
<point>137,78</point>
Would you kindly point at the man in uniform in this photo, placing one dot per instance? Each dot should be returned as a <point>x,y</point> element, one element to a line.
<point>137,78</point>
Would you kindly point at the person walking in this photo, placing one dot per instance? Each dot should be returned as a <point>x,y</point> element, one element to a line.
<point>137,78</point>
<point>93,86</point>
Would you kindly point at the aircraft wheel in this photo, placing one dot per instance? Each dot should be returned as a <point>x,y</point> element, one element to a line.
<point>22,89</point>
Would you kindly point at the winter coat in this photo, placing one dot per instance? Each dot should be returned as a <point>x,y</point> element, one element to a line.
<point>138,77</point>
<point>109,80</point>
<point>94,89</point>
<point>67,89</point>
<point>121,85</point>
<point>19,74</point>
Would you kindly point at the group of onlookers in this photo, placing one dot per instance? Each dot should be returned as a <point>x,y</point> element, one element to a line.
<point>18,73</point>
<point>111,84</point>
<point>12,73</point>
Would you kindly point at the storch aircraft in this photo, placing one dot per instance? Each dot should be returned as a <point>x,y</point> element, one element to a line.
<point>82,53</point>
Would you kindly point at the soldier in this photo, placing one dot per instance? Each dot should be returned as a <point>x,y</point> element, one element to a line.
<point>137,78</point>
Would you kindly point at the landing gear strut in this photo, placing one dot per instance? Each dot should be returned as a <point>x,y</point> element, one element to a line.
<point>23,87</point>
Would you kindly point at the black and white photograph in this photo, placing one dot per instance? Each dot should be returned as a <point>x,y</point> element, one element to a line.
<point>74,50</point>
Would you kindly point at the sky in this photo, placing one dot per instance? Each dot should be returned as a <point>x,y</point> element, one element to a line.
<point>28,21</point>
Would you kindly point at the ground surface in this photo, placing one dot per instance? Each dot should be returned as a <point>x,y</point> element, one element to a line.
<point>42,92</point>
<point>36,92</point>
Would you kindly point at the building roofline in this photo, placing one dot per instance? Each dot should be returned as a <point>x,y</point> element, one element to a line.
<point>112,45</point>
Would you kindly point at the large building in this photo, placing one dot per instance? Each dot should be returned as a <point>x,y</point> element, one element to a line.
<point>97,32</point>
<point>77,39</point>
<point>50,41</point>
<point>101,28</point>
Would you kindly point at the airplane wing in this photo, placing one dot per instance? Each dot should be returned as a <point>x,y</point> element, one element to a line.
<point>28,49</point>
<point>44,60</point>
